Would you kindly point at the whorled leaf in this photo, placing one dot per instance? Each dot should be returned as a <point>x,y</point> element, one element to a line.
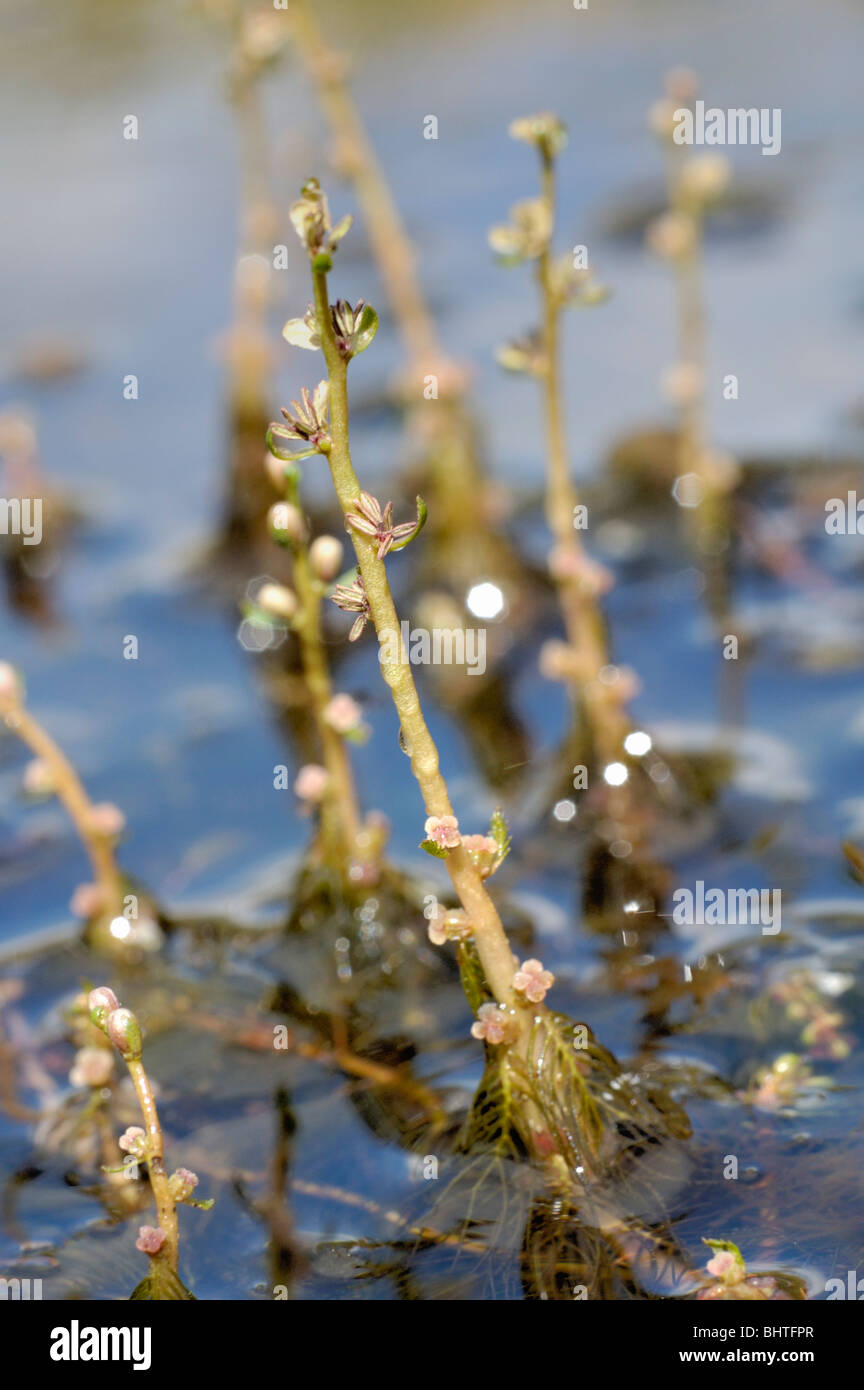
<point>279,442</point>
<point>365,330</point>
<point>161,1285</point>
<point>500,832</point>
<point>600,1118</point>
<point>471,974</point>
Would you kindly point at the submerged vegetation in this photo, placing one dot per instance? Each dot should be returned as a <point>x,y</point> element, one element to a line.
<point>450,1041</point>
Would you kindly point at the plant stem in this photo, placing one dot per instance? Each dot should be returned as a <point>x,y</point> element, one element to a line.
<point>340,815</point>
<point>456,476</point>
<point>165,1204</point>
<point>391,247</point>
<point>490,938</point>
<point>691,322</point>
<point>710,520</point>
<point>583,620</point>
<point>70,791</point>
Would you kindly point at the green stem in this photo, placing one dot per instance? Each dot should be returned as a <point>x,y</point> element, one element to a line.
<point>165,1204</point>
<point>489,935</point>
<point>340,816</point>
<point>583,620</point>
<point>70,791</point>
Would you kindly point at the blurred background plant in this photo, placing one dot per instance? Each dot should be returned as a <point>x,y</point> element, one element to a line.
<point>321,1079</point>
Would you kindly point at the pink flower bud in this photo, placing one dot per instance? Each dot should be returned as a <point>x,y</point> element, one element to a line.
<point>182,1184</point>
<point>494,1025</point>
<point>125,1033</point>
<point>344,714</point>
<point>150,1240</point>
<point>277,600</point>
<point>10,683</point>
<point>87,900</point>
<point>284,519</point>
<point>483,852</point>
<point>134,1141</point>
<point>38,778</point>
<point>558,661</point>
<point>683,383</point>
<point>100,1004</point>
<point>447,924</point>
<point>106,820</point>
<point>672,236</point>
<point>311,782</point>
<point>533,981</point>
<point>325,557</point>
<point>93,1066</point>
<point>443,831</point>
<point>570,562</point>
<point>721,1263</point>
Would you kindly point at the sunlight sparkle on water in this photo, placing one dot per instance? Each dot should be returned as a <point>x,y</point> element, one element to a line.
<point>485,600</point>
<point>615,774</point>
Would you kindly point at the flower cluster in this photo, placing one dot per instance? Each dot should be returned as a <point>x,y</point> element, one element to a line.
<point>449,924</point>
<point>526,235</point>
<point>533,981</point>
<point>574,286</point>
<point>311,783</point>
<point>352,598</point>
<point>307,422</point>
<point>782,1085</point>
<point>310,217</point>
<point>525,354</point>
<point>371,520</point>
<point>353,328</point>
<point>494,1024</point>
<point>545,131</point>
<point>120,1025</point>
<point>345,716</point>
<point>484,853</point>
<point>730,1280</point>
<point>442,833</point>
<point>93,1066</point>
<point>11,688</point>
<point>804,1003</point>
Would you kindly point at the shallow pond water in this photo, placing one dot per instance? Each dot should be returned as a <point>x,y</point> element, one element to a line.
<point>123,254</point>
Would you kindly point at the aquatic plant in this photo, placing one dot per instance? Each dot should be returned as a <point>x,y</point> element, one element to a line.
<point>52,774</point>
<point>463,548</point>
<point>730,1280</point>
<point>694,183</point>
<point>582,662</point>
<point>257,40</point>
<point>341,331</point>
<point>160,1242</point>
<point>351,845</point>
<point>537,1094</point>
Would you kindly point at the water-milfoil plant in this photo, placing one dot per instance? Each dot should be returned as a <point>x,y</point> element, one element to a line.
<point>99,825</point>
<point>528,238</point>
<point>695,182</point>
<point>350,845</point>
<point>463,547</point>
<point>731,1282</point>
<point>146,1145</point>
<point>538,1063</point>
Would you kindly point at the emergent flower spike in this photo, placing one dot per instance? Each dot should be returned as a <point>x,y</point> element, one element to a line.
<point>307,421</point>
<point>370,520</point>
